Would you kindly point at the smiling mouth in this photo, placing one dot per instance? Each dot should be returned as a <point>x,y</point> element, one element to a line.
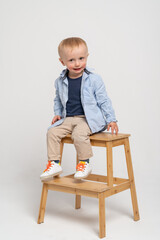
<point>76,69</point>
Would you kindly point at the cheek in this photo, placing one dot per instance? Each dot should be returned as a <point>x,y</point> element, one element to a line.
<point>83,64</point>
<point>69,66</point>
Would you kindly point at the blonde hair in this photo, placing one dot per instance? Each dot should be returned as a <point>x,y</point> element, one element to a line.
<point>70,42</point>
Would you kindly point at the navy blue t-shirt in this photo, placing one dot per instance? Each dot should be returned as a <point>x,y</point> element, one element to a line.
<point>74,105</point>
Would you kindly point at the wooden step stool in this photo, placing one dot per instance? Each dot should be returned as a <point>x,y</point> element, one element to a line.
<point>96,186</point>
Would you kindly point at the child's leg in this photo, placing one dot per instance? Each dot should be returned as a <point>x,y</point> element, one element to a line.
<point>54,136</point>
<point>80,136</point>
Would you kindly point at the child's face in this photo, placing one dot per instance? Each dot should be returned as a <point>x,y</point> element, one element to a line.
<point>75,59</point>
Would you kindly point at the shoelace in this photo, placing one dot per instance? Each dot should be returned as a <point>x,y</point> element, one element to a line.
<point>49,165</point>
<point>81,166</point>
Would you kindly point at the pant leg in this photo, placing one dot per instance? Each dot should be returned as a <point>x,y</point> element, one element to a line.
<point>80,137</point>
<point>54,136</point>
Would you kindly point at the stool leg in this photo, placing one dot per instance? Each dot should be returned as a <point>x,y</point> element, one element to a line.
<point>131,178</point>
<point>43,203</point>
<point>78,202</point>
<point>102,217</point>
<point>61,150</point>
<point>109,164</point>
<point>78,197</point>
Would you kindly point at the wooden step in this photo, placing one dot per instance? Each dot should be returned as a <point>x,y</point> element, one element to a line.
<point>78,184</point>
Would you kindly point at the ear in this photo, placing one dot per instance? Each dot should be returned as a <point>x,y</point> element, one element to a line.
<point>61,61</point>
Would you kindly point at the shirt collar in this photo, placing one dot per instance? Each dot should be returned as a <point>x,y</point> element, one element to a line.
<point>87,71</point>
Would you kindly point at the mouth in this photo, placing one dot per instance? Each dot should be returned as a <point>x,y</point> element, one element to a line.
<point>77,69</point>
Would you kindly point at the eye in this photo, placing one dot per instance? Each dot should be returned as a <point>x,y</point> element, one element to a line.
<point>71,60</point>
<point>81,58</point>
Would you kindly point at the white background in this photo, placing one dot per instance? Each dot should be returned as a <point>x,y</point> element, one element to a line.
<point>123,38</point>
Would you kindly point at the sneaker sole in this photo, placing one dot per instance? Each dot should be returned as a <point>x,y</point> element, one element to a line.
<point>50,177</point>
<point>83,177</point>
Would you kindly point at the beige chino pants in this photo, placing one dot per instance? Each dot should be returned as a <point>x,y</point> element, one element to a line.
<point>80,132</point>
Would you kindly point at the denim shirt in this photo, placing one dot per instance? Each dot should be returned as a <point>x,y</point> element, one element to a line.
<point>95,101</point>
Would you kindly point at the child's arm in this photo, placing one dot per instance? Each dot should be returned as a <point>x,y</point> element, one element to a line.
<point>58,107</point>
<point>105,104</point>
<point>55,119</point>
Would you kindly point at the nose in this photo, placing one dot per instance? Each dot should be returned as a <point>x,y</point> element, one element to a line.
<point>77,63</point>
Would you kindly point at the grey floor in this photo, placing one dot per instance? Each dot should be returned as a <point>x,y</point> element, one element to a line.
<point>20,205</point>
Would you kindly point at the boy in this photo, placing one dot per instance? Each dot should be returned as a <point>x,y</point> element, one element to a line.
<point>81,108</point>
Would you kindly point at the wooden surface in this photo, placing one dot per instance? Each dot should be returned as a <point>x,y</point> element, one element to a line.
<point>79,184</point>
<point>103,136</point>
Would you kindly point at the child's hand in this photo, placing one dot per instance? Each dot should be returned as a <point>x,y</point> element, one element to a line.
<point>113,126</point>
<point>55,119</point>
